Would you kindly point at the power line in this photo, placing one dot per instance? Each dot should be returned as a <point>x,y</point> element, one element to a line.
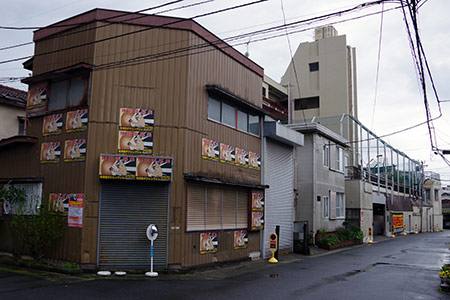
<point>378,66</point>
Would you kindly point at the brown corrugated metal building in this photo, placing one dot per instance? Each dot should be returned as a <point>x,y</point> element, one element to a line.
<point>147,119</point>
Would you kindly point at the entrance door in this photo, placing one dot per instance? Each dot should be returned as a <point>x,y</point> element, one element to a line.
<point>126,209</point>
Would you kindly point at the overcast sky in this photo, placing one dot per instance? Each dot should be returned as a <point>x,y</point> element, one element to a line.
<point>399,103</point>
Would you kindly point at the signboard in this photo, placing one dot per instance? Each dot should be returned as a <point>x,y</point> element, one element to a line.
<point>77,120</point>
<point>50,152</point>
<point>397,222</point>
<point>210,149</point>
<point>240,239</point>
<point>208,242</point>
<point>113,166</point>
<point>37,96</point>
<point>136,119</point>
<point>227,154</point>
<point>75,150</point>
<point>254,161</point>
<point>135,142</point>
<point>75,215</point>
<point>155,169</point>
<point>241,157</point>
<point>52,125</point>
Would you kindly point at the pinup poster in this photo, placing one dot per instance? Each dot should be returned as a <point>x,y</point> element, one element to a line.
<point>240,239</point>
<point>52,125</point>
<point>154,169</point>
<point>241,157</point>
<point>254,161</point>
<point>77,120</point>
<point>135,142</point>
<point>210,149</point>
<point>257,201</point>
<point>50,152</point>
<point>37,96</point>
<point>227,154</point>
<point>257,220</point>
<point>117,167</point>
<point>75,150</point>
<point>136,119</point>
<point>208,242</point>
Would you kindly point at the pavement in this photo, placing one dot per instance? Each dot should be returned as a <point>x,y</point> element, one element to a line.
<point>210,272</point>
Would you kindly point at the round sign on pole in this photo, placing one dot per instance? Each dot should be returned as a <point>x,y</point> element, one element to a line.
<point>152,232</point>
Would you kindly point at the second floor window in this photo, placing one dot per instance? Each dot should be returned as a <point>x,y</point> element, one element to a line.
<point>326,155</point>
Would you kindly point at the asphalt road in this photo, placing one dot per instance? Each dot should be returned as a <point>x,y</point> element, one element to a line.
<point>402,268</point>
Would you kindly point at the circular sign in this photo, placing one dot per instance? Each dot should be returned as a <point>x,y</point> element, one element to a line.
<point>152,232</point>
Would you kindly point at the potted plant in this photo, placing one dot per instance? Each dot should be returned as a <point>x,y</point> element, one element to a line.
<point>445,277</point>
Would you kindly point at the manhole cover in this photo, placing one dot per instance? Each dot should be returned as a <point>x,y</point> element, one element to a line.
<point>273,275</point>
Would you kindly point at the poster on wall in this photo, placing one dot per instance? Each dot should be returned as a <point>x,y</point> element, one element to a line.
<point>257,201</point>
<point>241,157</point>
<point>254,161</point>
<point>37,96</point>
<point>208,242</point>
<point>50,152</point>
<point>52,125</point>
<point>117,167</point>
<point>210,149</point>
<point>77,120</point>
<point>240,239</point>
<point>135,142</point>
<point>136,119</point>
<point>75,150</point>
<point>397,222</point>
<point>75,215</point>
<point>58,202</point>
<point>227,154</point>
<point>257,220</point>
<point>154,169</point>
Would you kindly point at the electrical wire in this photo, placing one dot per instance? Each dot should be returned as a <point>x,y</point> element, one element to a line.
<point>378,65</point>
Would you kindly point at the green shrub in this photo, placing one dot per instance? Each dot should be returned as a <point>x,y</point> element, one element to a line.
<point>321,230</point>
<point>39,231</point>
<point>341,235</point>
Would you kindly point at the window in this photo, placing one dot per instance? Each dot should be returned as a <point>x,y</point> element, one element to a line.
<point>230,115</point>
<point>307,103</point>
<point>339,159</point>
<point>340,205</point>
<point>436,195</point>
<point>214,112</point>
<point>21,125</point>
<point>313,67</point>
<point>242,121</point>
<point>326,155</point>
<point>216,207</point>
<point>32,203</point>
<point>427,195</point>
<point>326,207</point>
<point>68,93</point>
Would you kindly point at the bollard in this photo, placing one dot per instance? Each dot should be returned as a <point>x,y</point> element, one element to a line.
<point>393,234</point>
<point>404,230</point>
<point>437,228</point>
<point>415,229</point>
<point>273,246</point>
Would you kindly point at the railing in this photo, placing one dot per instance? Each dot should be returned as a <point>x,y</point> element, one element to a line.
<point>275,109</point>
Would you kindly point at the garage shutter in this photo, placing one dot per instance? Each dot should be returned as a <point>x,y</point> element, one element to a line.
<point>279,197</point>
<point>126,209</point>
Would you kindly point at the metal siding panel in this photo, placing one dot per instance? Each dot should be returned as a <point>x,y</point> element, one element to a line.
<point>127,208</point>
<point>279,197</point>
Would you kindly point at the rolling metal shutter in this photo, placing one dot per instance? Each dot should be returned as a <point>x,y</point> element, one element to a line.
<point>126,209</point>
<point>279,202</point>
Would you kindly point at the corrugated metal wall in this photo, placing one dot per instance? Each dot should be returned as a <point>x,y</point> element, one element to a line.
<point>279,202</point>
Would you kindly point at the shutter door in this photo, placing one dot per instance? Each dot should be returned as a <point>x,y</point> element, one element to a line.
<point>126,209</point>
<point>279,202</point>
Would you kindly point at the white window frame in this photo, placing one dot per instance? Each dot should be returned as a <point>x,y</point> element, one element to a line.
<point>326,155</point>
<point>340,205</point>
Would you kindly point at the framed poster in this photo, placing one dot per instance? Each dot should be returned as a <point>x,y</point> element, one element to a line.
<point>154,169</point>
<point>37,96</point>
<point>208,242</point>
<point>227,154</point>
<point>117,166</point>
<point>75,150</point>
<point>240,239</point>
<point>50,152</point>
<point>135,142</point>
<point>77,120</point>
<point>257,210</point>
<point>241,158</point>
<point>75,214</point>
<point>210,149</point>
<point>397,222</point>
<point>58,202</point>
<point>257,219</point>
<point>254,161</point>
<point>52,125</point>
<point>136,119</point>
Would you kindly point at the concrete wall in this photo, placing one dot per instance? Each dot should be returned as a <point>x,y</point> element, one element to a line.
<point>9,123</point>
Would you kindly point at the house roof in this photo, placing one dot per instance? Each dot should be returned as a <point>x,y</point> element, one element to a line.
<point>12,96</point>
<point>153,21</point>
